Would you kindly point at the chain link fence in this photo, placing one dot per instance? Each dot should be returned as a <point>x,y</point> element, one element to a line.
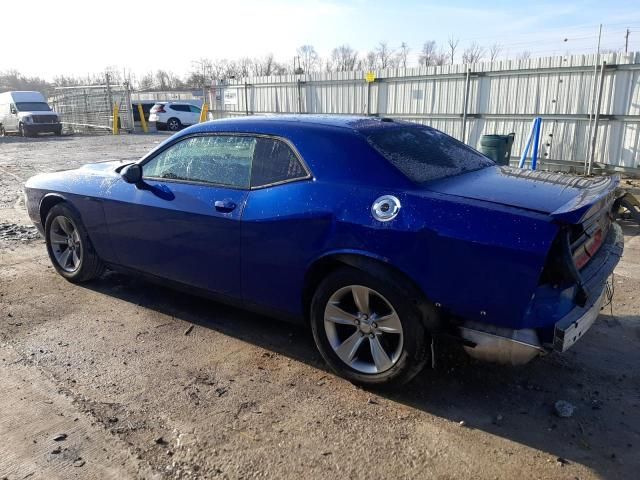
<point>86,109</point>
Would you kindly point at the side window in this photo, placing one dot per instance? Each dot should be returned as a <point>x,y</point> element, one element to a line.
<point>274,161</point>
<point>180,108</point>
<point>215,159</point>
<point>194,109</point>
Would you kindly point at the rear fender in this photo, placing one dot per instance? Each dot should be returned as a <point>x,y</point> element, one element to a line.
<point>379,268</point>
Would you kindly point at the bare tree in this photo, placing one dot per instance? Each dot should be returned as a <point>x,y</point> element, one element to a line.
<point>146,81</point>
<point>267,66</point>
<point>473,53</point>
<point>344,58</point>
<point>428,53</point>
<point>162,80</point>
<point>308,58</point>
<point>244,66</point>
<point>402,55</point>
<point>453,45</point>
<point>525,55</point>
<point>440,58</point>
<point>14,80</point>
<point>494,51</point>
<point>368,62</point>
<point>384,54</point>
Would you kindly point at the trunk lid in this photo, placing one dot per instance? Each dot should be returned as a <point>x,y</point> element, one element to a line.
<point>567,198</point>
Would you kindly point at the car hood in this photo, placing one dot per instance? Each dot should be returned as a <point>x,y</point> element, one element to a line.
<point>566,197</point>
<point>102,167</point>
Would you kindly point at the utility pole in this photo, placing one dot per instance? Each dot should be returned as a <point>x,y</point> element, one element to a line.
<point>592,98</point>
<point>202,64</point>
<point>626,41</point>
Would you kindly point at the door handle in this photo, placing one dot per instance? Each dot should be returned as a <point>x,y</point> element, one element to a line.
<point>224,205</point>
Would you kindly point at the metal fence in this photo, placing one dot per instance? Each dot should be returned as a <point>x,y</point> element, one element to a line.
<point>90,108</point>
<point>467,101</point>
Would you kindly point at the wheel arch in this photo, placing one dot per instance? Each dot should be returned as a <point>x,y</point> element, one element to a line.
<point>376,267</point>
<point>49,201</point>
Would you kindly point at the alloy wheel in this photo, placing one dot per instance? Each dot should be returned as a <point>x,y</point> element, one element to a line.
<point>65,243</point>
<point>363,329</point>
<point>173,125</point>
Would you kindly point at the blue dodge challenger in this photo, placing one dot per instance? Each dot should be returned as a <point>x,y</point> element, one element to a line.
<point>381,235</point>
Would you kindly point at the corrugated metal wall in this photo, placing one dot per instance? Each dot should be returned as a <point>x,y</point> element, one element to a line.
<point>504,96</point>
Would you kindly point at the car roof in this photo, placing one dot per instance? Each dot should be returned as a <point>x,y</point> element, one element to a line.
<point>331,145</point>
<point>351,122</point>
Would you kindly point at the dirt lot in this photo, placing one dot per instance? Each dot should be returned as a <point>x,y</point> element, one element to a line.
<point>115,366</point>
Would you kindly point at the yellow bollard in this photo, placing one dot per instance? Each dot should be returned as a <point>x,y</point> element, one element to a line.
<point>204,112</point>
<point>143,121</point>
<point>116,118</point>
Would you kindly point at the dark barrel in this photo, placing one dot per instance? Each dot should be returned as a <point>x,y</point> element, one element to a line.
<point>497,147</point>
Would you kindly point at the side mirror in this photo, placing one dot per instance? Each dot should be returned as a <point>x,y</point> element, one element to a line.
<point>132,173</point>
<point>13,110</point>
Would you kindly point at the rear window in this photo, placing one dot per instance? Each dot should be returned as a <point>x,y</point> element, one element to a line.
<point>423,154</point>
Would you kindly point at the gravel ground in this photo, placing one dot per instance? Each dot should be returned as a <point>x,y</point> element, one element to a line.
<point>116,367</point>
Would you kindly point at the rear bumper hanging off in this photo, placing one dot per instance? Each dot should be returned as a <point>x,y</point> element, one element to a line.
<point>517,347</point>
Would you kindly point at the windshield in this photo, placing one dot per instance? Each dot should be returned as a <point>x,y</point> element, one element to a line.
<point>423,154</point>
<point>32,107</point>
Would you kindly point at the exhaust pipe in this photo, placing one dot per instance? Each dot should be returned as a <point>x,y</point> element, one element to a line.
<point>501,345</point>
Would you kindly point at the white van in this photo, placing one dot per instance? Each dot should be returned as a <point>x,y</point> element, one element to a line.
<point>27,113</point>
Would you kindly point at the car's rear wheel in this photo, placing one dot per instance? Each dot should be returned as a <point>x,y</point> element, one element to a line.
<point>174,124</point>
<point>69,247</point>
<point>367,330</point>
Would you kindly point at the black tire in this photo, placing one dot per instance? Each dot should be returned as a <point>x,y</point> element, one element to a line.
<point>174,125</point>
<point>21,131</point>
<point>411,356</point>
<point>89,265</point>
<point>3,132</point>
<point>58,132</point>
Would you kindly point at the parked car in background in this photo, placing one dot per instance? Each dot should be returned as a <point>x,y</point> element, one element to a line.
<point>379,234</point>
<point>174,116</point>
<point>27,113</point>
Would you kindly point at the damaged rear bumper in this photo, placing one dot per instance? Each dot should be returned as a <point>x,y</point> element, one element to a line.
<point>517,347</point>
<point>571,328</point>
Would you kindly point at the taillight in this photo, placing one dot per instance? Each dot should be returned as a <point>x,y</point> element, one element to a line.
<point>583,254</point>
<point>158,109</point>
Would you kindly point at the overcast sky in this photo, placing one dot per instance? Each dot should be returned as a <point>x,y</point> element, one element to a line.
<point>47,38</point>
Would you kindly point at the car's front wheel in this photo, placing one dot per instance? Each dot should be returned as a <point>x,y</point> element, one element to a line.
<point>367,330</point>
<point>69,247</point>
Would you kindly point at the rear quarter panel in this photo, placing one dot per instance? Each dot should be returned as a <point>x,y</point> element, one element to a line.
<point>478,261</point>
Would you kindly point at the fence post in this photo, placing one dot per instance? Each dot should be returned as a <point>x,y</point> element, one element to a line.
<point>467,84</point>
<point>116,119</point>
<point>246,99</point>
<point>143,120</point>
<point>594,132</point>
<point>127,96</point>
<point>299,96</point>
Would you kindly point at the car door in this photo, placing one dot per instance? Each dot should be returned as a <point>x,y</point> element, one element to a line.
<point>280,228</point>
<point>11,120</point>
<point>183,222</point>
<point>183,113</point>
<point>195,114</point>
